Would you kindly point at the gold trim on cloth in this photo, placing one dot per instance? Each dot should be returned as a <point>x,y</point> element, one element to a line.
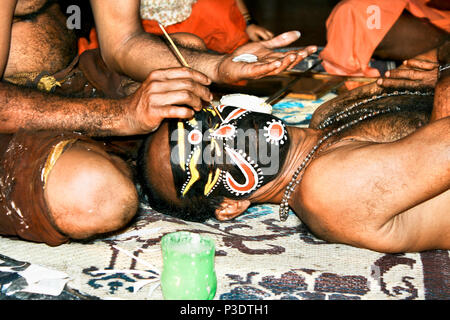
<point>46,83</point>
<point>53,157</point>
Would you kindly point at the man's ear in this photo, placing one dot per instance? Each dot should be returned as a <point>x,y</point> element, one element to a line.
<point>230,209</point>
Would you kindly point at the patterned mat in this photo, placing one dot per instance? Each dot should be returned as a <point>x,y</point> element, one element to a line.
<point>257,257</point>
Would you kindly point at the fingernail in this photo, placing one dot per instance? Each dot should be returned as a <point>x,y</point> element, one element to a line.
<point>387,74</point>
<point>298,33</point>
<point>379,81</point>
<point>277,64</point>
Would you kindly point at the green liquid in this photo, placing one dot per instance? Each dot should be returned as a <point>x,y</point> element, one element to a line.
<point>188,267</point>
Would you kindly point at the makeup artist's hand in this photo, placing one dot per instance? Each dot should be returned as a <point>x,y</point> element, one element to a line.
<point>413,73</point>
<point>269,62</point>
<point>167,93</point>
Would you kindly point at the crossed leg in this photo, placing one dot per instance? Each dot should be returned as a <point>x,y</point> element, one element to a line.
<point>90,192</point>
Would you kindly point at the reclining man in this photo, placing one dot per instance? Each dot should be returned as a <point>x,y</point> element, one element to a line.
<point>65,185</point>
<point>371,171</point>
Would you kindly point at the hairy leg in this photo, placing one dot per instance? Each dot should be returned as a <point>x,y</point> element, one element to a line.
<point>89,192</point>
<point>409,37</point>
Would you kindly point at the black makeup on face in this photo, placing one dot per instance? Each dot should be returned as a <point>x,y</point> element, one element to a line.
<point>231,158</point>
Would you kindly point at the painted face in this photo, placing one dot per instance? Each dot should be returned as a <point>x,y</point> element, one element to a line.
<point>231,158</point>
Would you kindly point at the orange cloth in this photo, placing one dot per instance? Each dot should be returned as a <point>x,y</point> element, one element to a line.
<point>352,37</point>
<point>85,44</point>
<point>219,23</point>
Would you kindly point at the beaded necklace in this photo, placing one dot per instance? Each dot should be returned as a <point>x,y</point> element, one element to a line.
<point>365,113</point>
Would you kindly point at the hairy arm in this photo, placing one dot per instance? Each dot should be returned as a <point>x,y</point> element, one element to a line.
<point>27,108</point>
<point>167,93</point>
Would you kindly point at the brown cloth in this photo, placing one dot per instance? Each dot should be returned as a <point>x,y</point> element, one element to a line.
<point>25,163</point>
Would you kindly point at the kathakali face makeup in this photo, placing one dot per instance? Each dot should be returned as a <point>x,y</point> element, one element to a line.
<point>231,158</point>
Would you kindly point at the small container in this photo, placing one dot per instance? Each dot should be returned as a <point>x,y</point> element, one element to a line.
<point>188,267</point>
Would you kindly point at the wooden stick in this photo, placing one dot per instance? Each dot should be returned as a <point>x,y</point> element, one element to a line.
<point>177,52</point>
<point>182,60</point>
<point>282,91</point>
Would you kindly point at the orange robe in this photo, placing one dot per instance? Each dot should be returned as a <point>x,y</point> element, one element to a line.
<point>353,35</point>
<point>219,23</point>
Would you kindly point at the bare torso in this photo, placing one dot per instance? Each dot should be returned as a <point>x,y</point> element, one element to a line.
<point>368,187</point>
<point>40,40</point>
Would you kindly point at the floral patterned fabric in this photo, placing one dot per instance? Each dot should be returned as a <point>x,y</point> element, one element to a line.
<point>166,12</point>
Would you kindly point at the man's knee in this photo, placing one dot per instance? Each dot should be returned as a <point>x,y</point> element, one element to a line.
<point>384,238</point>
<point>89,193</point>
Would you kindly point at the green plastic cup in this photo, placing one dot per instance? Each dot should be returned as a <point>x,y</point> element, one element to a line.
<point>188,267</point>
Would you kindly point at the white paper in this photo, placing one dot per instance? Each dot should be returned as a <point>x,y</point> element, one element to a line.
<point>52,287</point>
<point>42,280</point>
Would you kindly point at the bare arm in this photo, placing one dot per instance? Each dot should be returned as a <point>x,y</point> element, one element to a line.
<point>6,17</point>
<point>242,7</point>
<point>171,93</point>
<point>128,49</point>
<point>27,108</point>
<point>20,107</point>
<point>388,196</point>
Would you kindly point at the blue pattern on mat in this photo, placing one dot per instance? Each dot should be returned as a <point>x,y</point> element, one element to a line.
<point>298,112</point>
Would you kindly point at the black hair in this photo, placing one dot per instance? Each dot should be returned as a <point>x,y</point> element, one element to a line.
<point>195,205</point>
<point>196,209</point>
